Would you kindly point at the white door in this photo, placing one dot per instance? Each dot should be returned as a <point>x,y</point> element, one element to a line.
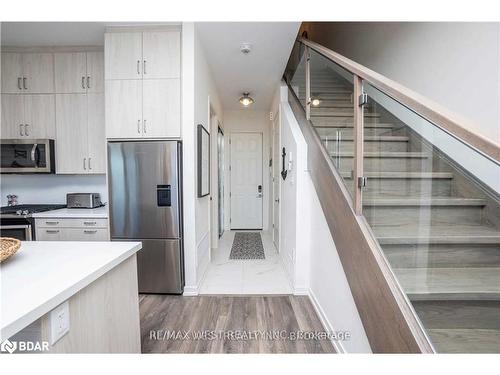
<point>12,73</point>
<point>72,139</point>
<point>123,109</point>
<point>161,108</point>
<point>276,182</point>
<point>123,55</point>
<point>95,72</point>
<point>12,116</point>
<point>71,72</point>
<point>38,70</point>
<point>161,54</point>
<point>246,181</point>
<point>96,134</point>
<point>39,116</point>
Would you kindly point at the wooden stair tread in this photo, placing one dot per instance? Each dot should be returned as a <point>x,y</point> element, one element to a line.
<point>350,127</point>
<point>436,234</point>
<point>416,202</point>
<point>319,113</point>
<point>407,175</point>
<point>375,138</point>
<point>385,154</point>
<point>465,340</point>
<point>448,281</point>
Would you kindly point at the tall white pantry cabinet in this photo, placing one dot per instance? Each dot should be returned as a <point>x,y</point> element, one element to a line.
<point>142,84</point>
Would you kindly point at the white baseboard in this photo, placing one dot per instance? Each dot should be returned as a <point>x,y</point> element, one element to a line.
<point>301,292</point>
<point>339,348</point>
<point>190,291</point>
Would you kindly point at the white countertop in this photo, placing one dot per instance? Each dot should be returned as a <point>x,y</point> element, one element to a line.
<point>42,275</point>
<point>84,213</point>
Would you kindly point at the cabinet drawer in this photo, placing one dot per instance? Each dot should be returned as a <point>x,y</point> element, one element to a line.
<point>48,234</point>
<point>77,234</point>
<point>72,223</point>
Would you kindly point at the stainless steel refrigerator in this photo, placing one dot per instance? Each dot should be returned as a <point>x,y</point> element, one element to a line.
<point>145,204</point>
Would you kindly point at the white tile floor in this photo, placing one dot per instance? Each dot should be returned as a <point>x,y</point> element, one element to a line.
<point>263,276</point>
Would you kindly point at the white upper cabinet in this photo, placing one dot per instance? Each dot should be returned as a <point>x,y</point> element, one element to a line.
<point>123,108</point>
<point>38,73</point>
<point>96,133</point>
<point>161,54</point>
<point>123,55</point>
<point>161,108</point>
<point>27,73</point>
<point>28,116</point>
<point>70,72</point>
<point>79,72</point>
<point>12,73</point>
<point>95,72</point>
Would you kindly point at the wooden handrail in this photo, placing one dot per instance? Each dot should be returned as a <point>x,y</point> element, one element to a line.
<point>428,109</point>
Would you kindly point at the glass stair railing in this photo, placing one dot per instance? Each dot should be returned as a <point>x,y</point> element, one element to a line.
<point>431,199</point>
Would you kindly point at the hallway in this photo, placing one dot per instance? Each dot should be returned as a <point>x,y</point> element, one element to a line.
<point>264,276</point>
<point>172,324</point>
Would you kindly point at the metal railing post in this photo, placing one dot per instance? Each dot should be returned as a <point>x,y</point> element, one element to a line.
<point>358,145</point>
<point>308,83</point>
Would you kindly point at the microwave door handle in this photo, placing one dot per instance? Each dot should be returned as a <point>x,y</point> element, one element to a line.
<point>33,153</point>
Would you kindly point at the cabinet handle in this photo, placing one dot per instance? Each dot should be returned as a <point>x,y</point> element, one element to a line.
<point>138,67</point>
<point>83,82</point>
<point>89,222</point>
<point>88,82</point>
<point>25,84</point>
<point>51,222</point>
<point>90,167</point>
<point>90,231</point>
<point>19,79</point>
<point>144,126</point>
<point>21,130</point>
<point>139,126</point>
<point>144,67</point>
<point>26,130</point>
<point>84,164</point>
<point>51,231</point>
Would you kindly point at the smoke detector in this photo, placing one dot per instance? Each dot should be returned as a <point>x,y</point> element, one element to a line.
<point>245,48</point>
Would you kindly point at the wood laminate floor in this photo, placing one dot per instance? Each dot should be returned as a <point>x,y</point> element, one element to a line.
<point>230,324</point>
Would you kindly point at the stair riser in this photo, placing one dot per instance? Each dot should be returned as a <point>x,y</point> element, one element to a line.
<point>424,215</point>
<point>387,164</point>
<point>403,187</point>
<point>442,256</point>
<point>342,120</point>
<point>348,133</point>
<point>369,146</point>
<point>339,112</point>
<point>459,314</point>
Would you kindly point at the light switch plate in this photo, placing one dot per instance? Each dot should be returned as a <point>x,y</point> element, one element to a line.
<point>59,322</point>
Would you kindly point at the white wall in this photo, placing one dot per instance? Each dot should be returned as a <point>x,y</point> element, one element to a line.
<point>455,64</point>
<point>47,189</point>
<point>249,120</point>
<point>305,237</point>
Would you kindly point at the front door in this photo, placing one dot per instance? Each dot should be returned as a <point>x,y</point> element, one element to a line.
<point>246,181</point>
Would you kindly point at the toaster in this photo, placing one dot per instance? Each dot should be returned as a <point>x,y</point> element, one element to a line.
<point>83,200</point>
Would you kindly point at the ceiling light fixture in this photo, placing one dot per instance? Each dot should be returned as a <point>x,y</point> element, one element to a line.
<point>315,102</point>
<point>246,100</point>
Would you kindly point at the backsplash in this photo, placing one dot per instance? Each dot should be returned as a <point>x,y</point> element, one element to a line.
<point>32,189</point>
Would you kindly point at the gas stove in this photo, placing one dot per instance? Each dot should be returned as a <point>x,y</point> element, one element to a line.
<point>26,210</point>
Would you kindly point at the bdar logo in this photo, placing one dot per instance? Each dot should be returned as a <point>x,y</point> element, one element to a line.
<point>8,346</point>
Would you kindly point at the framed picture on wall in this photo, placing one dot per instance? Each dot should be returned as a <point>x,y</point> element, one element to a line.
<point>203,161</point>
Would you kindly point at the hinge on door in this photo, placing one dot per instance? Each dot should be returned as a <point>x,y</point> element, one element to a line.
<point>362,182</point>
<point>229,167</point>
<point>363,99</point>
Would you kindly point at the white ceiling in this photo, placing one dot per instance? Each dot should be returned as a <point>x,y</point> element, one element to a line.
<point>258,72</point>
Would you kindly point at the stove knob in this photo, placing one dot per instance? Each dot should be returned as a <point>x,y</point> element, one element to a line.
<point>25,212</point>
<point>19,212</point>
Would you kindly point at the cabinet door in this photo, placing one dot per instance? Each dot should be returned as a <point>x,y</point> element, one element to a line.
<point>12,116</point>
<point>123,54</point>
<point>39,116</point>
<point>162,105</point>
<point>95,72</point>
<point>38,69</point>
<point>70,72</point>
<point>96,134</point>
<point>12,73</point>
<point>123,109</point>
<point>71,126</point>
<point>161,54</point>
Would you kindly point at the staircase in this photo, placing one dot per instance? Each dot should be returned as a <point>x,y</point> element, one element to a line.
<point>439,228</point>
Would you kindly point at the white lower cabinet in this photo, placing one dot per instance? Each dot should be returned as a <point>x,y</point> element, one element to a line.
<point>62,229</point>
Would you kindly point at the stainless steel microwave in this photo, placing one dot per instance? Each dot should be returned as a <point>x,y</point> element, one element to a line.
<point>27,156</point>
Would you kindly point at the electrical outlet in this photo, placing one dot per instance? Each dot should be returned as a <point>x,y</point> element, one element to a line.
<point>59,322</point>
